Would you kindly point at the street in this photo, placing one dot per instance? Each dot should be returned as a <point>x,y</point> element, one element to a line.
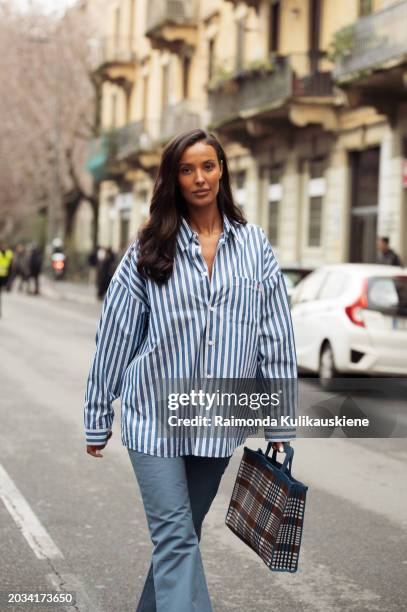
<point>88,529</point>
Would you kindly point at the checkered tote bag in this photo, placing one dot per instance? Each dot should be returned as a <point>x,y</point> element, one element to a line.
<point>266,510</point>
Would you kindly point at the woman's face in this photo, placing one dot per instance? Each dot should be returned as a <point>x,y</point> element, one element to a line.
<point>199,174</point>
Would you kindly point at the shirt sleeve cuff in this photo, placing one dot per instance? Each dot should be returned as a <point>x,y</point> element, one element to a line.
<point>96,437</point>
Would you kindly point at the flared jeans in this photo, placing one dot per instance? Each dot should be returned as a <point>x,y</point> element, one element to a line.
<point>177,493</point>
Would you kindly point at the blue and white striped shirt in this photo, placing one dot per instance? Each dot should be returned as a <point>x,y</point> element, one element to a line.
<point>235,325</point>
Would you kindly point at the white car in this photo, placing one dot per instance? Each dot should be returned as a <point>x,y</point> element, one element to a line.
<point>294,275</point>
<point>351,318</point>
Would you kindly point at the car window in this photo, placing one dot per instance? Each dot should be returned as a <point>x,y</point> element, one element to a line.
<point>288,280</point>
<point>293,277</point>
<point>333,286</point>
<point>308,288</point>
<point>388,294</point>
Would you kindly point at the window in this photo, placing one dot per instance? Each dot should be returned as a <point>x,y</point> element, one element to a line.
<point>211,58</point>
<point>315,19</point>
<point>273,222</point>
<point>117,27</point>
<point>186,67</point>
<point>314,223</point>
<point>144,206</point>
<point>240,43</point>
<point>365,7</point>
<point>308,289</point>
<point>317,167</point>
<point>316,192</point>
<point>128,94</point>
<point>124,230</point>
<point>145,98</point>
<point>240,185</point>
<point>165,85</point>
<point>132,18</point>
<point>114,109</point>
<point>240,178</point>
<point>274,196</point>
<point>388,294</point>
<point>124,205</point>
<point>274,27</point>
<point>364,194</point>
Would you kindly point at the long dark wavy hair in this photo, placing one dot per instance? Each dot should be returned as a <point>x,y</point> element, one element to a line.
<point>158,237</point>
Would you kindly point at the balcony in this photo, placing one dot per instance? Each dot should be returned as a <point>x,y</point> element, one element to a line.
<point>101,161</point>
<point>118,51</point>
<point>172,24</point>
<point>135,146</point>
<point>131,140</point>
<point>179,117</point>
<point>266,92</point>
<point>114,59</point>
<point>377,42</point>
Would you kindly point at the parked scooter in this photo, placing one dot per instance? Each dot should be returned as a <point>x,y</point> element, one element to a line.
<point>58,263</point>
<point>58,259</point>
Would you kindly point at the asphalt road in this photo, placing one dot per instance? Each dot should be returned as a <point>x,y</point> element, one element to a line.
<point>73,521</point>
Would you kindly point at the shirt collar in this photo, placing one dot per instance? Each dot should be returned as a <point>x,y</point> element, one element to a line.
<point>186,233</point>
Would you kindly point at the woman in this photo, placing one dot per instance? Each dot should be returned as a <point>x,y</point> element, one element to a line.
<point>199,295</point>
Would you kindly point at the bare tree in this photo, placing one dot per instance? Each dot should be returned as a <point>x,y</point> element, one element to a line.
<point>49,110</point>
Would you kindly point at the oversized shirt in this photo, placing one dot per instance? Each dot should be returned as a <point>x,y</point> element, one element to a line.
<point>234,325</point>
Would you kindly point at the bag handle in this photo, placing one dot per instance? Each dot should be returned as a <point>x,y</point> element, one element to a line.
<point>289,454</point>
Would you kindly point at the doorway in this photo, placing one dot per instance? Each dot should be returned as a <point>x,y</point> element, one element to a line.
<point>364,167</point>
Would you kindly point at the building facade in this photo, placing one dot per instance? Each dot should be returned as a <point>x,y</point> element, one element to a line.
<point>307,96</point>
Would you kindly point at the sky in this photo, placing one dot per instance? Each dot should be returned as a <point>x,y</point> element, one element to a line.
<point>49,6</point>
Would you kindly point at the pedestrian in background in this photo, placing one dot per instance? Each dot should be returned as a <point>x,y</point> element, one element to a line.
<point>385,254</point>
<point>198,295</point>
<point>105,270</point>
<point>92,264</point>
<point>34,268</point>
<point>6,258</point>
<point>19,270</point>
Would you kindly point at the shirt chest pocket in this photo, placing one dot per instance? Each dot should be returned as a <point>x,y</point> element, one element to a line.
<point>245,300</point>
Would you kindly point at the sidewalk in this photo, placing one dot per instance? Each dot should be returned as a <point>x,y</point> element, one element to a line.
<point>81,293</point>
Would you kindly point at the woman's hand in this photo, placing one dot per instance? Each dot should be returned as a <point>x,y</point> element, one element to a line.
<point>279,446</point>
<point>95,450</point>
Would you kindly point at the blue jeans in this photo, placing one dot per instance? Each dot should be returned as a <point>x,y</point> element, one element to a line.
<point>177,493</point>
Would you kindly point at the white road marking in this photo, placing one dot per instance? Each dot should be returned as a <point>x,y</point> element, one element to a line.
<point>25,519</point>
<point>71,583</point>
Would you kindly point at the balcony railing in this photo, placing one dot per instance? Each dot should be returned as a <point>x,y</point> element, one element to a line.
<point>317,84</point>
<point>179,117</point>
<point>113,50</point>
<point>171,12</point>
<point>253,92</point>
<point>132,139</point>
<point>371,42</point>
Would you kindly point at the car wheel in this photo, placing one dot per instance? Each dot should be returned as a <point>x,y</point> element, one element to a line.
<point>327,371</point>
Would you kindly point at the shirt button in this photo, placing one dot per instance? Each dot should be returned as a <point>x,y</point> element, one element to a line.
<point>209,375</point>
<point>210,342</point>
<point>212,308</point>
<point>204,274</point>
